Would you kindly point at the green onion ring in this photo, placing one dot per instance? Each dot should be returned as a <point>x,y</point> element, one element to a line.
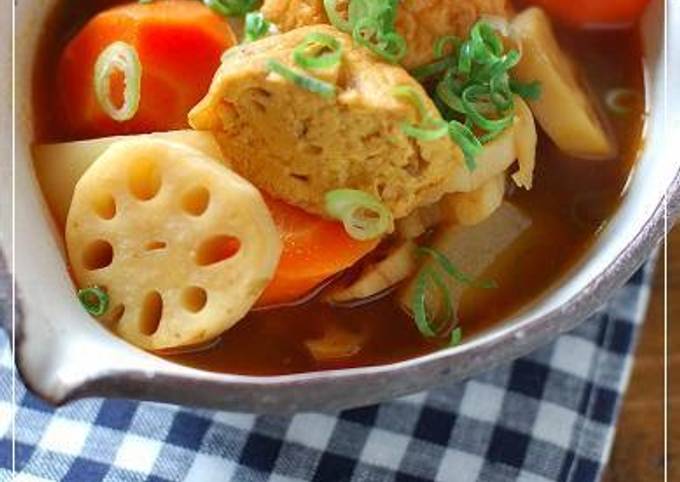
<point>456,337</point>
<point>231,8</point>
<point>467,141</point>
<point>465,58</point>
<point>418,303</point>
<point>449,96</point>
<point>431,131</point>
<point>486,46</point>
<point>615,100</point>
<point>335,18</point>
<point>429,128</point>
<point>323,61</point>
<point>363,216</point>
<point>530,91</point>
<point>441,44</point>
<point>324,89</point>
<point>256,27</point>
<point>123,57</point>
<point>437,67</point>
<point>94,300</point>
<point>409,94</point>
<point>390,46</point>
<point>445,263</point>
<point>500,93</point>
<point>477,117</point>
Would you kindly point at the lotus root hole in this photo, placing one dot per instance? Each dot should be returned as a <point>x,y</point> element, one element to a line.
<point>97,255</point>
<point>117,314</point>
<point>145,179</point>
<point>216,249</point>
<point>155,245</point>
<point>151,314</point>
<point>105,206</point>
<point>194,299</point>
<point>196,200</point>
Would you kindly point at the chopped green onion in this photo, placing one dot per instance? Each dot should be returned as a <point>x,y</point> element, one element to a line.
<point>326,51</point>
<point>485,45</point>
<point>409,94</point>
<point>122,57</point>
<point>619,100</point>
<point>389,45</point>
<point>469,99</point>
<point>94,300</point>
<point>435,129</point>
<point>500,93</point>
<point>436,67</point>
<point>443,42</point>
<point>465,58</point>
<point>363,216</point>
<point>445,263</point>
<point>429,276</point>
<point>446,92</point>
<point>231,8</point>
<point>467,141</point>
<point>530,91</point>
<point>429,128</point>
<point>335,18</point>
<point>371,24</point>
<point>456,337</point>
<point>431,328</point>
<point>256,27</point>
<point>324,89</point>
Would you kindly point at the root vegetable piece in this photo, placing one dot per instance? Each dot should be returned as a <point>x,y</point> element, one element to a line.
<point>399,264</point>
<point>471,249</point>
<point>470,208</point>
<point>566,110</point>
<point>183,246</point>
<point>179,44</point>
<point>60,166</point>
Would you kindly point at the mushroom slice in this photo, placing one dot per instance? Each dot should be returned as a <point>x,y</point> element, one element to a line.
<point>399,264</point>
<point>565,109</point>
<point>182,245</point>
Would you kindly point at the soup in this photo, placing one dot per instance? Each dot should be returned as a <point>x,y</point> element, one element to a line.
<point>358,310</point>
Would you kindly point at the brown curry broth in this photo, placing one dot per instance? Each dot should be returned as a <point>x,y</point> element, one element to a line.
<point>570,202</point>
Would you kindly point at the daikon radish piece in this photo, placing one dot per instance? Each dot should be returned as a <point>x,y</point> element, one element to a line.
<point>472,250</point>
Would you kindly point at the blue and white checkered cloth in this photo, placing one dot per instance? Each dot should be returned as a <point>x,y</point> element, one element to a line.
<point>547,417</point>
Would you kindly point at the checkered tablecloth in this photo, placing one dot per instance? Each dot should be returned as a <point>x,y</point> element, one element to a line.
<point>547,417</point>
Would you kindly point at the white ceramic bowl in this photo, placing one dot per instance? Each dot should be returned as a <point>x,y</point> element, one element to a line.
<point>63,354</point>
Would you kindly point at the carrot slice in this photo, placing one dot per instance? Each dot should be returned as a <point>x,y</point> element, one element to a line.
<point>179,44</point>
<point>314,249</point>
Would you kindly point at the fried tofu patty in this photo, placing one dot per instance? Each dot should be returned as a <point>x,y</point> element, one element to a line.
<point>298,145</point>
<point>420,22</point>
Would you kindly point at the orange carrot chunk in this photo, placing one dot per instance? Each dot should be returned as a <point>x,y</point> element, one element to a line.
<point>314,249</point>
<point>179,44</point>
